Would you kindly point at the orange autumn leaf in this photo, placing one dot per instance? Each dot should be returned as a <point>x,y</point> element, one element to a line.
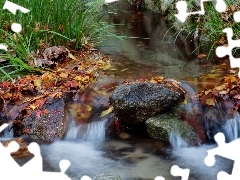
<point>45,111</point>
<point>5,84</point>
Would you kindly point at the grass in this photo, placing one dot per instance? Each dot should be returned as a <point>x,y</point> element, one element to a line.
<point>70,23</point>
<point>210,25</point>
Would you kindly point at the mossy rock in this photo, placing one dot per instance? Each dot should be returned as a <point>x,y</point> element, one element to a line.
<point>161,125</point>
<point>109,176</point>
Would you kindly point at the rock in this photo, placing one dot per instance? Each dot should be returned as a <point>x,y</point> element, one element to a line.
<point>137,102</point>
<point>48,126</point>
<point>109,176</point>
<point>162,125</point>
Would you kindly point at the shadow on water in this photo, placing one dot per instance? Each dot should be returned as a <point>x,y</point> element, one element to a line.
<point>151,42</point>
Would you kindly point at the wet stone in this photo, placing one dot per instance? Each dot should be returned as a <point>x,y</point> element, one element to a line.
<point>162,125</point>
<point>109,176</point>
<point>137,102</point>
<point>49,126</point>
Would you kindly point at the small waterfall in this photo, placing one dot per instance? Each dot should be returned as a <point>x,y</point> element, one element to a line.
<point>193,105</point>
<point>72,130</point>
<point>93,131</point>
<point>176,141</point>
<point>6,134</point>
<point>231,128</point>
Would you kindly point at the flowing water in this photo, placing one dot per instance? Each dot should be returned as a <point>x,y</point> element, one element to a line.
<point>150,51</point>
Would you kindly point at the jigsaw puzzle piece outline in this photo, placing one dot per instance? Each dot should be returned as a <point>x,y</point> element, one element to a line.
<point>5,156</point>
<point>181,6</point>
<point>226,150</point>
<point>222,51</point>
<point>177,171</point>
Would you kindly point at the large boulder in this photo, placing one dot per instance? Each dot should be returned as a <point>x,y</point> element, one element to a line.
<point>137,102</point>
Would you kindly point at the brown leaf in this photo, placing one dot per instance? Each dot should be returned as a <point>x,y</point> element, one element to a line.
<point>200,56</point>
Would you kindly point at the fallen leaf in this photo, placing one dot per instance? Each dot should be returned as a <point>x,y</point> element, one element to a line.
<point>200,56</point>
<point>107,111</point>
<point>45,111</point>
<point>207,92</point>
<point>88,108</point>
<point>210,101</point>
<point>37,83</point>
<point>38,113</point>
<point>220,88</point>
<point>71,56</point>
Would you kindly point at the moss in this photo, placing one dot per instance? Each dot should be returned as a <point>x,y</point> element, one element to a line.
<point>161,125</point>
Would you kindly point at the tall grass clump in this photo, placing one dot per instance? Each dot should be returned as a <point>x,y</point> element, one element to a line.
<point>208,27</point>
<point>70,23</point>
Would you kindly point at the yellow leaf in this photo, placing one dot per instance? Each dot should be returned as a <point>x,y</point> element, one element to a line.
<point>220,88</point>
<point>71,56</point>
<point>63,75</point>
<point>185,101</point>
<point>37,83</point>
<point>88,108</point>
<point>107,111</point>
<point>210,101</point>
<point>208,91</point>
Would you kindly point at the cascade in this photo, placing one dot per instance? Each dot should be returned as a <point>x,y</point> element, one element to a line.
<point>93,131</point>
<point>231,128</point>
<point>176,141</point>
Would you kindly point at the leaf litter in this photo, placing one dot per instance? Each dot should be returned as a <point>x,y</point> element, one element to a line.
<point>62,72</point>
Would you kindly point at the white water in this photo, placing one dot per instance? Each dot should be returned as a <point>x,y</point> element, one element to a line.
<point>176,141</point>
<point>231,128</point>
<point>72,131</point>
<point>129,160</point>
<point>94,131</point>
<point>193,158</point>
<point>6,135</point>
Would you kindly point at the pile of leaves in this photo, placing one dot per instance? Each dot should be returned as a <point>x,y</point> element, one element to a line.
<point>67,72</point>
<point>229,91</point>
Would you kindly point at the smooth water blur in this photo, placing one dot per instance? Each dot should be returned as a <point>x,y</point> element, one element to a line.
<point>231,128</point>
<point>131,160</point>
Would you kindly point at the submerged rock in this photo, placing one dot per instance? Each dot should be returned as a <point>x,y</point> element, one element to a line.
<point>162,125</point>
<point>137,102</point>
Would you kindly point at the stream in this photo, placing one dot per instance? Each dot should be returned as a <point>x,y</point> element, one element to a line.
<point>150,50</point>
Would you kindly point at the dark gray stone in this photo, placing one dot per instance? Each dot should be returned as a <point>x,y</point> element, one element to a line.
<point>47,127</point>
<point>137,102</point>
